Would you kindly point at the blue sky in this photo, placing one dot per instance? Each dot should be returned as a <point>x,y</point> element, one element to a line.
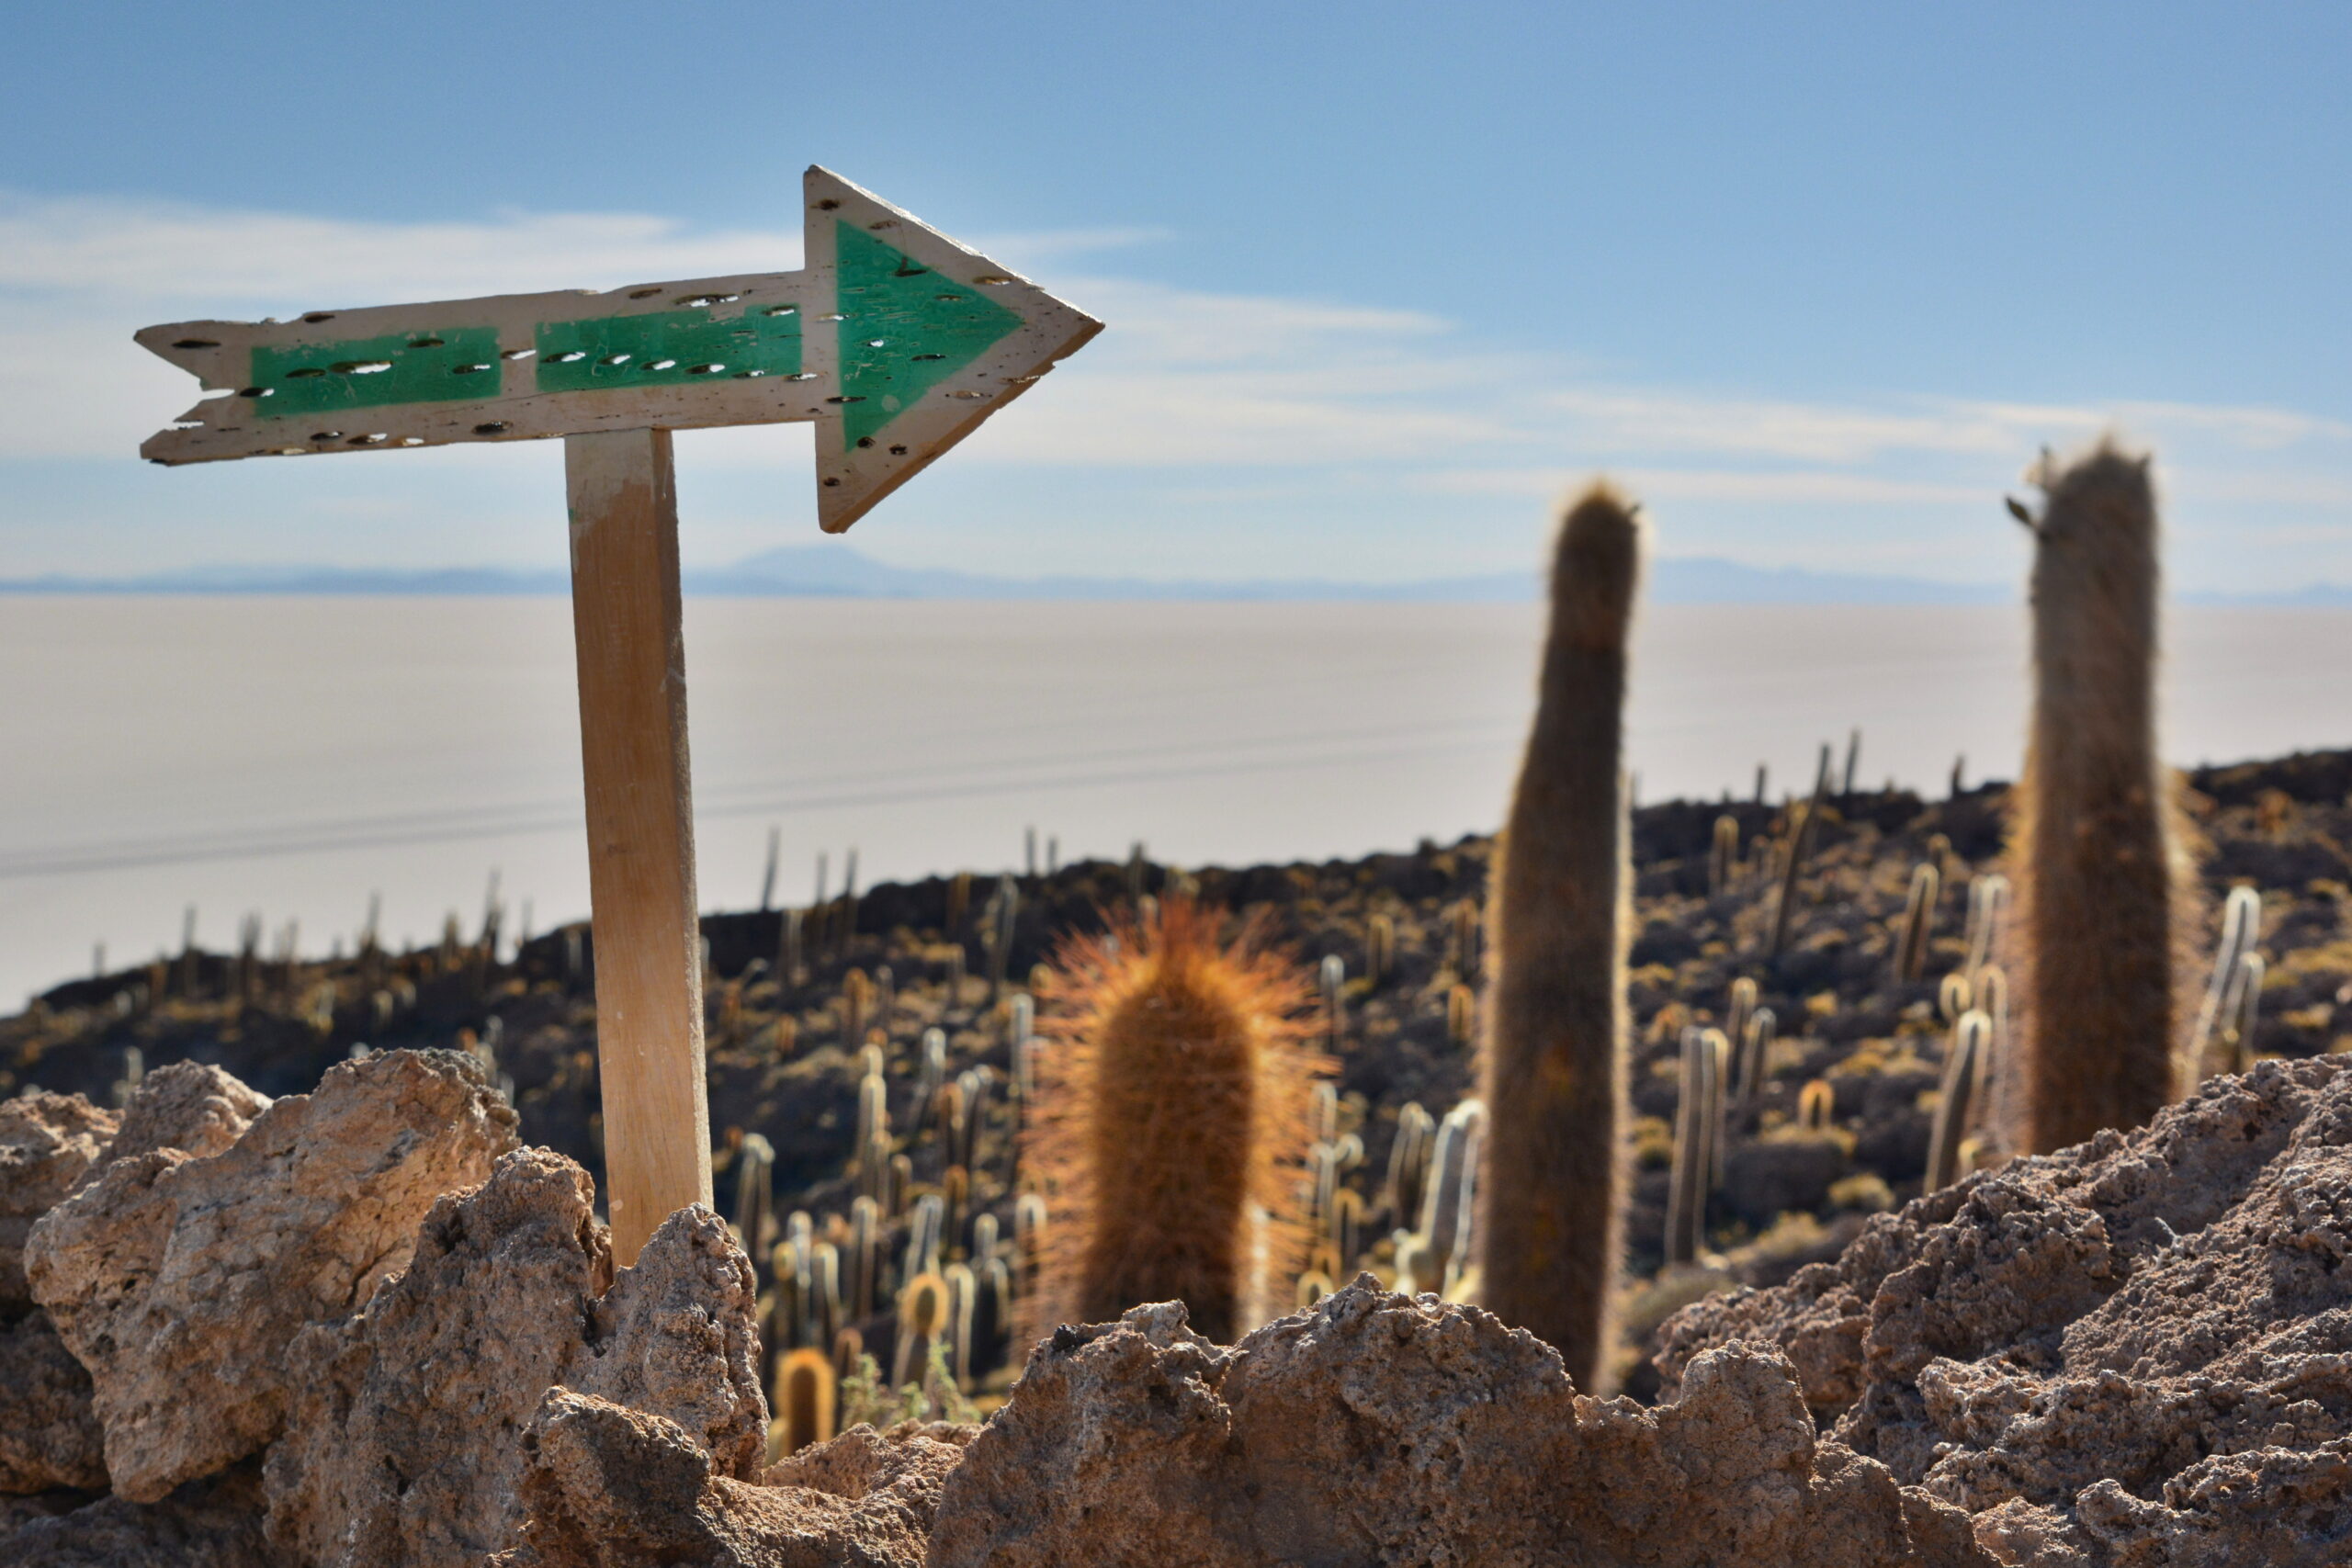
<point>1380,279</point>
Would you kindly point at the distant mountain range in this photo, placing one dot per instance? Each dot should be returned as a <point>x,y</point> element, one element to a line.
<point>837,571</point>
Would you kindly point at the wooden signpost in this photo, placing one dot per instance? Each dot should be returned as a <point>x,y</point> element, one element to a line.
<point>894,339</point>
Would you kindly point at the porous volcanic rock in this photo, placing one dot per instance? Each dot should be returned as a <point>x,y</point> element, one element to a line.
<point>402,1444</point>
<point>678,1336</point>
<point>211,1523</point>
<point>1379,1428</point>
<point>190,1106</point>
<point>2135,1351</point>
<point>49,1437</point>
<point>179,1281</point>
<point>611,1487</point>
<point>47,1143</point>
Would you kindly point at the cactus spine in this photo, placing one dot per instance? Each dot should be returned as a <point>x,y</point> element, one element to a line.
<point>2095,868</point>
<point>1553,1071</point>
<point>1175,1104</point>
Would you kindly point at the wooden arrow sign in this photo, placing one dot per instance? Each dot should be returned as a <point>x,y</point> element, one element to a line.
<point>894,339</point>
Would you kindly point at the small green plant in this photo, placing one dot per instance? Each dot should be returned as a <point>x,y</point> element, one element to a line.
<point>866,1399</point>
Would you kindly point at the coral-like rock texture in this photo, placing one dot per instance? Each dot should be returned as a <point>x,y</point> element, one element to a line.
<point>678,1336</point>
<point>189,1105</point>
<point>2135,1353</point>
<point>48,1142</point>
<point>611,1487</point>
<point>179,1281</point>
<point>403,1440</point>
<point>403,1448</point>
<point>49,1146</point>
<point>1379,1428</point>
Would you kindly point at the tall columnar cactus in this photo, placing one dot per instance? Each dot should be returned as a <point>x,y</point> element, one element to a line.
<point>1964,1082</point>
<point>755,1197</point>
<point>1171,1117</point>
<point>1722,856</point>
<point>1380,950</point>
<point>1755,1048</point>
<point>805,1397</point>
<point>2241,924</point>
<point>1918,923</point>
<point>1553,1071</point>
<point>2098,871</point>
<point>1697,1144</point>
<point>1737,1010</point>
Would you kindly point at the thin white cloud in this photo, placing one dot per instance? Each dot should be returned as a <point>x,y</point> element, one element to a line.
<point>1820,487</point>
<point>1185,378</point>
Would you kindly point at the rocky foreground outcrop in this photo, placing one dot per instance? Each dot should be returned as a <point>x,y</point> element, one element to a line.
<point>1382,1429</point>
<point>179,1281</point>
<point>2136,1352</point>
<point>318,1334</point>
<point>50,1145</point>
<point>611,1487</point>
<point>405,1440</point>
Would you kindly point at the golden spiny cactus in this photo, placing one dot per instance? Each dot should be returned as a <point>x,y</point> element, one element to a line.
<point>1552,1075</point>
<point>1172,1123</point>
<point>805,1394</point>
<point>2097,866</point>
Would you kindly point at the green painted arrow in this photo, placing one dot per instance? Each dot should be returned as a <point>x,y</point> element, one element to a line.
<point>904,330</point>
<point>893,339</point>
